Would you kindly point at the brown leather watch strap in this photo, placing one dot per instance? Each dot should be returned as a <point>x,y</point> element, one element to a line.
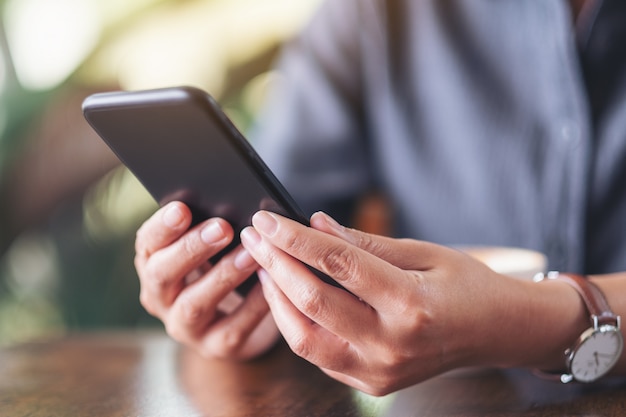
<point>591,295</point>
<point>603,321</point>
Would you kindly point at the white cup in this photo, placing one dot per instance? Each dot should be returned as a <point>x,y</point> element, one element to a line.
<point>514,262</point>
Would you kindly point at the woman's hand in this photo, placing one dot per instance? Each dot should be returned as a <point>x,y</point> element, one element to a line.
<point>413,309</point>
<point>195,300</point>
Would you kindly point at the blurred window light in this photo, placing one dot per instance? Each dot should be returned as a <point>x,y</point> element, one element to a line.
<point>4,122</point>
<point>33,265</point>
<point>115,206</point>
<point>3,71</point>
<point>49,39</point>
<point>195,42</point>
<point>113,11</point>
<point>3,90</point>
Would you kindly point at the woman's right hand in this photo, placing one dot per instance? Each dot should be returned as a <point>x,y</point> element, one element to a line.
<point>195,300</point>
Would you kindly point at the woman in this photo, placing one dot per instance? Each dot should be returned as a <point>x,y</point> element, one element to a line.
<point>484,124</point>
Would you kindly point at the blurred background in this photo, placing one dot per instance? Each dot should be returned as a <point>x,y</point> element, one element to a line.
<point>68,211</point>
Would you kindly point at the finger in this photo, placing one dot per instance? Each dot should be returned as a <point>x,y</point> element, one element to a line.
<point>332,308</point>
<point>231,335</point>
<point>423,255</point>
<point>305,337</point>
<point>162,276</point>
<point>162,228</point>
<point>362,273</point>
<point>196,306</point>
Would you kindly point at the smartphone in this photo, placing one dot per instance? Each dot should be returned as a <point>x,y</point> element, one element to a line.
<point>181,146</point>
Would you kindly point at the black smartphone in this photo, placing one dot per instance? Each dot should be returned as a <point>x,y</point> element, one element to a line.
<point>181,146</point>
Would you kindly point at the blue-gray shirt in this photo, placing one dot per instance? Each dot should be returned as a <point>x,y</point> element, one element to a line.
<point>473,116</point>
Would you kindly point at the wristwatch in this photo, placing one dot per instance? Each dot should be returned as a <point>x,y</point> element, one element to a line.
<point>599,347</point>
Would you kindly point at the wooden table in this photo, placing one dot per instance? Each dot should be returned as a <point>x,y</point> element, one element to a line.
<point>146,374</point>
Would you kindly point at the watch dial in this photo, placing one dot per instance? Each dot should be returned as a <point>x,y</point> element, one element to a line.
<point>596,354</point>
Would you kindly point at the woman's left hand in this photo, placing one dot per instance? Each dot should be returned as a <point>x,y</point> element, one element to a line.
<point>412,310</point>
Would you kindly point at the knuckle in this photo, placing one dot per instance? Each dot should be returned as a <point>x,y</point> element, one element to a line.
<point>225,345</point>
<point>145,241</point>
<point>139,239</point>
<point>177,329</point>
<point>341,264</point>
<point>392,363</point>
<point>192,311</point>
<point>301,346</point>
<point>312,303</point>
<point>270,261</point>
<point>417,320</point>
<point>213,351</point>
<point>191,246</point>
<point>366,242</point>
<point>146,302</point>
<point>232,339</point>
<point>292,242</point>
<point>174,331</point>
<point>416,316</point>
<point>138,261</point>
<point>156,277</point>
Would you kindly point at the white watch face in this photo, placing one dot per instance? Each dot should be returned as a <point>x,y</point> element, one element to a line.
<point>596,354</point>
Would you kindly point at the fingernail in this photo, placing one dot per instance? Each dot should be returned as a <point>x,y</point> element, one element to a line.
<point>323,221</point>
<point>212,233</point>
<point>265,222</point>
<point>263,275</point>
<point>173,216</point>
<point>250,237</point>
<point>243,260</point>
<point>332,223</point>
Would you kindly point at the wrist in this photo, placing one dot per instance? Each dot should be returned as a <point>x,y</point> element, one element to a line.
<point>544,321</point>
<point>598,348</point>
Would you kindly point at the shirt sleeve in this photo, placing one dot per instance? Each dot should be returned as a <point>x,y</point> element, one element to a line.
<point>311,131</point>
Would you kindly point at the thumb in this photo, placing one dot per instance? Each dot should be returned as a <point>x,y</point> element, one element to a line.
<point>406,254</point>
